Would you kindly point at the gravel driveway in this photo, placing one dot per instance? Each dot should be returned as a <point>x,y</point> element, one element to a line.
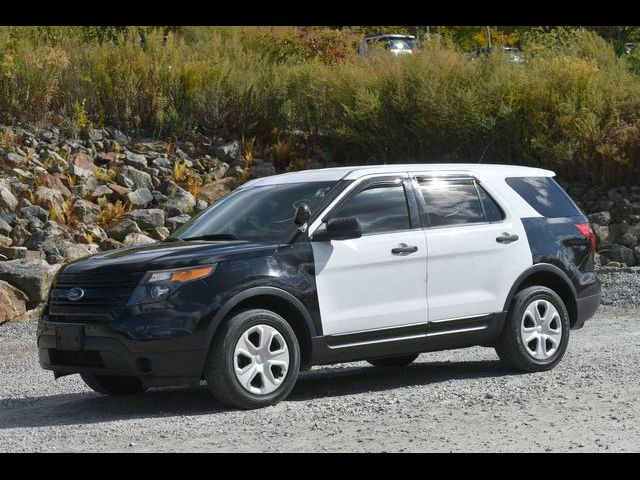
<point>461,400</point>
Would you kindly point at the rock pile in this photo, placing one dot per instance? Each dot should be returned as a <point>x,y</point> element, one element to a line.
<point>64,197</point>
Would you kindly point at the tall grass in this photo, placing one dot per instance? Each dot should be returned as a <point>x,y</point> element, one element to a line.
<point>574,106</point>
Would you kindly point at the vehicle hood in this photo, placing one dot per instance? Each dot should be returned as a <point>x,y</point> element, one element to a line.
<point>160,256</point>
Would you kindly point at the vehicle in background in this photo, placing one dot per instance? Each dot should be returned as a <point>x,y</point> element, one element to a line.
<point>396,44</point>
<point>513,55</point>
<point>630,47</point>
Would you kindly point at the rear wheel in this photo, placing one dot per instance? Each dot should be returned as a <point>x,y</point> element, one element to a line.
<point>536,333</point>
<point>393,361</point>
<point>113,385</point>
<point>254,360</point>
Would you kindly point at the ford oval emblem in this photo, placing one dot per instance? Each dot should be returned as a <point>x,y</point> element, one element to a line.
<point>75,294</point>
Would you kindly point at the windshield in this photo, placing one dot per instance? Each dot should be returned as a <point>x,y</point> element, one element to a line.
<point>264,214</point>
<point>400,44</point>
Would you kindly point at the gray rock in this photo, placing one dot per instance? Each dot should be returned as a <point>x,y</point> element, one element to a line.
<point>140,197</point>
<point>5,228</point>
<point>85,211</point>
<point>636,253</point>
<point>219,170</point>
<point>101,191</point>
<point>33,277</point>
<point>7,199</point>
<point>123,228</point>
<point>48,197</point>
<point>175,222</point>
<point>136,239</point>
<point>13,252</point>
<point>262,168</point>
<point>50,232</point>
<point>162,163</point>
<point>135,160</point>
<point>600,218</point>
<point>622,254</point>
<point>15,158</point>
<point>628,240</point>
<point>80,250</point>
<point>137,178</point>
<point>147,219</point>
<point>181,202</point>
<point>228,152</point>
<point>35,211</point>
<point>5,241</point>
<point>201,205</point>
<point>160,233</point>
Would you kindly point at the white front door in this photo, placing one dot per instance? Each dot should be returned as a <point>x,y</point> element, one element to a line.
<point>378,280</point>
<point>477,250</point>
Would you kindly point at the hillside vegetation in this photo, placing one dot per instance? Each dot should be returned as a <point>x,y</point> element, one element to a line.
<point>574,106</point>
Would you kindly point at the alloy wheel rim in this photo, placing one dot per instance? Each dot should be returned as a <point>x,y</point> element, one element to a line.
<point>261,359</point>
<point>541,329</point>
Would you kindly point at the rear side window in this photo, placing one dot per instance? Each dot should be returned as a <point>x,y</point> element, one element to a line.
<point>379,208</point>
<point>456,202</point>
<point>544,195</point>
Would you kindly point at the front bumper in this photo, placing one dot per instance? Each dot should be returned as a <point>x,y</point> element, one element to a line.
<point>159,362</point>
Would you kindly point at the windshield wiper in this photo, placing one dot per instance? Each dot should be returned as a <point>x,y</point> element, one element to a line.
<point>213,236</point>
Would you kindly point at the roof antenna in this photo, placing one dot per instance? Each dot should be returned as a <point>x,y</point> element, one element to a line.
<point>485,151</point>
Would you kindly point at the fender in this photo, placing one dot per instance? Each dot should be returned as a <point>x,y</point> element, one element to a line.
<point>539,267</point>
<point>254,292</point>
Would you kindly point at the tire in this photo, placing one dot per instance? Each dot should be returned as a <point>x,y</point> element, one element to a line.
<point>393,361</point>
<point>546,347</point>
<point>267,372</point>
<point>113,385</point>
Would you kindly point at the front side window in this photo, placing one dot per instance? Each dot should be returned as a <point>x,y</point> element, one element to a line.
<point>379,208</point>
<point>259,214</point>
<point>456,202</point>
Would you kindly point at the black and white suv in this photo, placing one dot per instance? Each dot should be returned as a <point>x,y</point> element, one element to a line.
<point>377,263</point>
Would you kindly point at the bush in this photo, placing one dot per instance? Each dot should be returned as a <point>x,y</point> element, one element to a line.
<point>573,106</point>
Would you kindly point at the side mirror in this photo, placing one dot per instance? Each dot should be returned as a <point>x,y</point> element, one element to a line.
<point>338,229</point>
<point>303,214</point>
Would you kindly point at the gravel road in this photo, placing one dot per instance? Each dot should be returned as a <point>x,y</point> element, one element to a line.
<point>461,400</point>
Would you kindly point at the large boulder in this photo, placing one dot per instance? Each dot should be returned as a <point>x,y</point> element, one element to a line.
<point>123,228</point>
<point>147,219</point>
<point>7,199</point>
<point>622,254</point>
<point>137,239</point>
<point>12,302</point>
<point>181,202</point>
<point>600,218</point>
<point>177,221</point>
<point>228,152</point>
<point>48,197</point>
<point>262,168</point>
<point>85,211</point>
<point>214,190</point>
<point>33,277</point>
<point>140,197</point>
<point>132,178</point>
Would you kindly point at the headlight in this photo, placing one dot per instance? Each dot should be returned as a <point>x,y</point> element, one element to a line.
<point>159,284</point>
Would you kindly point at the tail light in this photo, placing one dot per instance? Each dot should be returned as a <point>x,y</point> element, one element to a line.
<point>586,230</point>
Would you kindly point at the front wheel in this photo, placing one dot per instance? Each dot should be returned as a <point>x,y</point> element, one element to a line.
<point>254,360</point>
<point>113,385</point>
<point>536,333</point>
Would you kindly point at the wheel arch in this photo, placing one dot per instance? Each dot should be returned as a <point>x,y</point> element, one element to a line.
<point>277,300</point>
<point>550,276</point>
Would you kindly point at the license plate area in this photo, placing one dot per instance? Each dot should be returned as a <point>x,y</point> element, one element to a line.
<point>70,337</point>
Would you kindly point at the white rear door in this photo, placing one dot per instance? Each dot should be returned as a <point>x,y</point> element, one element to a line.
<point>476,249</point>
<point>378,280</point>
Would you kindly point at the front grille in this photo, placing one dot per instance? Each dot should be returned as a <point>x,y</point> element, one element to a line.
<point>105,296</point>
<point>65,358</point>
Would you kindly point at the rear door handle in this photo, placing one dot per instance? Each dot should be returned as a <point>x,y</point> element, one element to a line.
<point>404,249</point>
<point>506,238</point>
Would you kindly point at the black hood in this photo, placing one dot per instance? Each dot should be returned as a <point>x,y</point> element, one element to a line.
<point>165,255</point>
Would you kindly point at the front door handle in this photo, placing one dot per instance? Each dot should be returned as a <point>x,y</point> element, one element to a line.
<point>506,238</point>
<point>404,249</point>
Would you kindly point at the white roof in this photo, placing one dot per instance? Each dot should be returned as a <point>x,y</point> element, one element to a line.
<point>355,172</point>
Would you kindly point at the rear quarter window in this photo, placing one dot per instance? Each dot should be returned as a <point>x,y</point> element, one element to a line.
<point>545,196</point>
